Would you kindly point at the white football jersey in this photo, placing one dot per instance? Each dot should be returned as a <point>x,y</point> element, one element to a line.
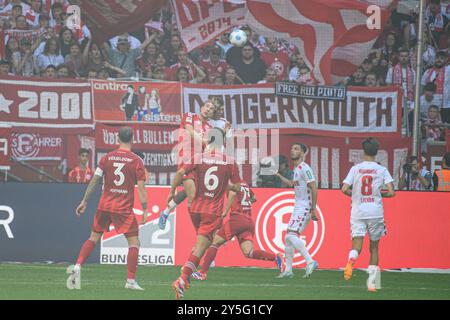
<point>302,176</point>
<point>222,124</point>
<point>367,179</point>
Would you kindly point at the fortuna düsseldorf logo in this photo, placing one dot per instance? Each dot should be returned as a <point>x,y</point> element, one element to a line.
<point>272,222</point>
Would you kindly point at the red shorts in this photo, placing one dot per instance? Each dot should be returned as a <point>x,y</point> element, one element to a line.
<point>123,223</point>
<point>206,224</point>
<point>238,225</point>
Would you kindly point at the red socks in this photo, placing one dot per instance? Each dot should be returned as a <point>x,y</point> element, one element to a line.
<point>189,267</point>
<point>210,255</point>
<point>262,255</point>
<point>85,251</point>
<point>132,262</point>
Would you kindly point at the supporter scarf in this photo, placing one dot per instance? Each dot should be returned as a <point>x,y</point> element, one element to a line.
<point>397,79</point>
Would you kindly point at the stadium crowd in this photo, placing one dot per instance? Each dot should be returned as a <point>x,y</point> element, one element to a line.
<point>156,52</point>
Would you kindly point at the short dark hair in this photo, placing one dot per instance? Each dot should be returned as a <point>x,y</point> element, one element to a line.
<point>446,159</point>
<point>302,146</point>
<point>370,147</point>
<point>83,150</point>
<point>126,134</point>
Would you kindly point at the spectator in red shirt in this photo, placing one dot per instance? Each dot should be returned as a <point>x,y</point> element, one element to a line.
<point>214,66</point>
<point>276,59</point>
<point>81,173</point>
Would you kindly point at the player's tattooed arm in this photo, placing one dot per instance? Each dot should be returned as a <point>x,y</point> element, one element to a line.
<point>87,195</point>
<point>231,196</point>
<point>142,192</point>
<point>346,189</point>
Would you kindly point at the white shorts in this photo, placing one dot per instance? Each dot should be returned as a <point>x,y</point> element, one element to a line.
<point>375,227</point>
<point>299,219</point>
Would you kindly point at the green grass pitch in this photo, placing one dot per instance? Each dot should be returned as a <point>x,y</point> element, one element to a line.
<point>38,281</point>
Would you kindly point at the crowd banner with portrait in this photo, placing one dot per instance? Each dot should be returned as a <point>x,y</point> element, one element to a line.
<point>149,102</point>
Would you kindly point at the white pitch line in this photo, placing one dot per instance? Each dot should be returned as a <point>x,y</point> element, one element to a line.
<point>212,284</point>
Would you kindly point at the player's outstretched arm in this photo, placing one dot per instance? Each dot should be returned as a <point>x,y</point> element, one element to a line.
<point>313,187</point>
<point>87,195</point>
<point>288,182</point>
<point>346,190</point>
<point>142,193</point>
<point>390,191</point>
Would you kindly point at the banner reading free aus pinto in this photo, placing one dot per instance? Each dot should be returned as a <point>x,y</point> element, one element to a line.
<point>150,102</point>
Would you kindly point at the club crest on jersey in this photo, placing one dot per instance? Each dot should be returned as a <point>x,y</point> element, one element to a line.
<point>272,221</point>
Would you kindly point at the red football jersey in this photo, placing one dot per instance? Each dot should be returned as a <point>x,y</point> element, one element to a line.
<point>121,169</point>
<point>213,176</point>
<point>279,61</point>
<point>214,70</point>
<point>77,175</point>
<point>242,203</point>
<point>186,141</point>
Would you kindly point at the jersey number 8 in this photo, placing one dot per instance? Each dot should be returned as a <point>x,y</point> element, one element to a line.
<point>366,187</point>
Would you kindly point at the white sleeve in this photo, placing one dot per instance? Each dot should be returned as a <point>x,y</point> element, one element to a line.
<point>99,172</point>
<point>389,76</point>
<point>387,177</point>
<point>424,77</point>
<point>446,94</point>
<point>308,174</point>
<point>350,177</point>
<point>293,74</point>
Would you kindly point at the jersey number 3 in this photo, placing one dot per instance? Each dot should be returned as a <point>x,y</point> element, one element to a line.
<point>119,166</point>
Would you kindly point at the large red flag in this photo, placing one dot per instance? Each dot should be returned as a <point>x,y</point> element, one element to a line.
<point>332,35</point>
<point>108,18</point>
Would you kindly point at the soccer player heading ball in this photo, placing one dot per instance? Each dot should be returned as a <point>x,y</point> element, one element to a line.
<point>364,183</point>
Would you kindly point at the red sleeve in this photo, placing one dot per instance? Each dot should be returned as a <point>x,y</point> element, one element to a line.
<point>193,163</point>
<point>187,119</point>
<point>70,177</point>
<point>140,170</point>
<point>235,177</point>
<point>102,163</point>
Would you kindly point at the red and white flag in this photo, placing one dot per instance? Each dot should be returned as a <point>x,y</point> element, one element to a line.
<point>332,35</point>
<point>202,21</point>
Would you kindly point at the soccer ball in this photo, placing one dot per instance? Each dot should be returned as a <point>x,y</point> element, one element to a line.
<point>238,38</point>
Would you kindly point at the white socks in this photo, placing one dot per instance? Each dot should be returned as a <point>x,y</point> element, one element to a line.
<point>353,254</point>
<point>172,205</point>
<point>289,256</point>
<point>299,244</point>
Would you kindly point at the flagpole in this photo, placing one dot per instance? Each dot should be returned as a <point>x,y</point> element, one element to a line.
<point>415,146</point>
